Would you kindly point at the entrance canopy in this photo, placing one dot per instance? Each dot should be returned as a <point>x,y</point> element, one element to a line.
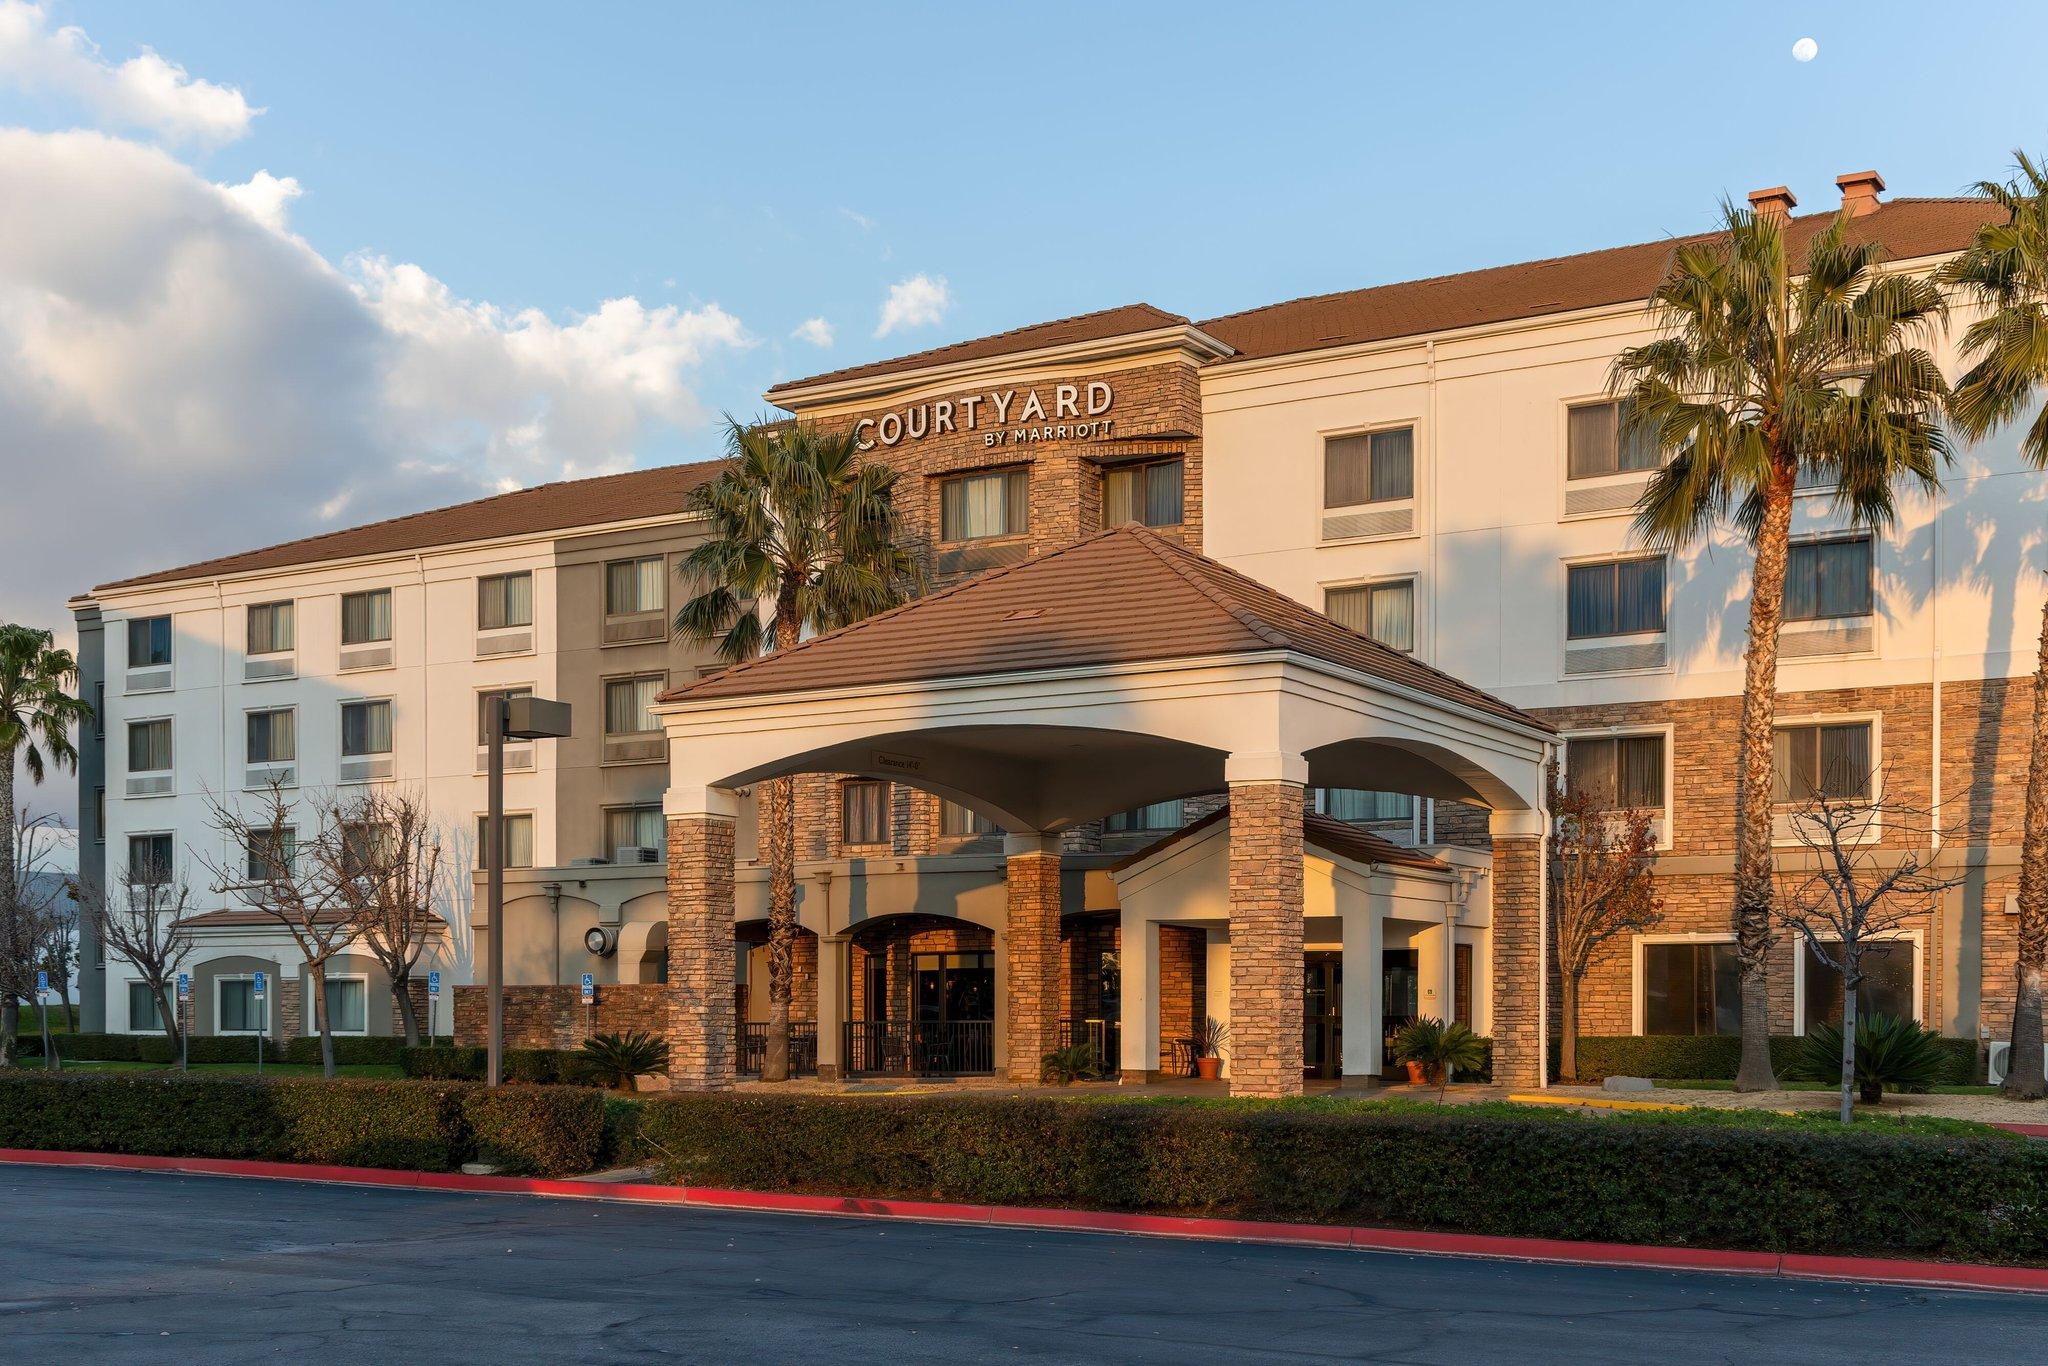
<point>1114,672</point>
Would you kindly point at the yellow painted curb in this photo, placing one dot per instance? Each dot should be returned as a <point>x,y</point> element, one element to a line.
<point>1597,1103</point>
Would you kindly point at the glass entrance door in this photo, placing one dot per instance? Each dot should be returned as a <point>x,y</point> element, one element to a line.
<point>953,1012</point>
<point>1400,999</point>
<point>1322,1015</point>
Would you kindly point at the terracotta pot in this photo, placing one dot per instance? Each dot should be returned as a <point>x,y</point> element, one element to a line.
<point>1206,1068</point>
<point>1416,1076</point>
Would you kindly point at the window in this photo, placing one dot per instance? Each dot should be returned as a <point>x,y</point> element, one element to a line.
<point>149,746</point>
<point>1830,578</point>
<point>142,1008</point>
<point>484,712</point>
<point>363,846</point>
<point>978,506</point>
<point>272,854</point>
<point>273,736</point>
<point>149,642</point>
<point>271,628</point>
<point>1888,971</point>
<point>632,827</point>
<point>1821,760</point>
<point>627,702</point>
<point>348,1000</point>
<point>1157,816</point>
<point>1615,598</point>
<point>1691,989</point>
<point>1620,773</point>
<point>1148,492</point>
<point>365,728</point>
<point>366,617</point>
<point>149,859</point>
<point>1385,612</point>
<point>1372,467</point>
<point>239,1010</point>
<point>1597,442</point>
<point>99,815</point>
<point>864,812</point>
<point>955,819</point>
<point>518,839</point>
<point>99,710</point>
<point>632,586</point>
<point>1357,804</point>
<point>504,600</point>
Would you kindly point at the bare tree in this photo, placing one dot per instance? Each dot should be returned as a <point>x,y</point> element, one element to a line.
<point>1858,891</point>
<point>143,918</point>
<point>28,908</point>
<point>388,886</point>
<point>1600,887</point>
<point>293,878</point>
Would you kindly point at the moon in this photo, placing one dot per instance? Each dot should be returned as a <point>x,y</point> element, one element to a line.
<point>1805,50</point>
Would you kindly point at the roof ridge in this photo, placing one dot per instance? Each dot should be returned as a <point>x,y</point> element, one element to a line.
<point>1156,543</point>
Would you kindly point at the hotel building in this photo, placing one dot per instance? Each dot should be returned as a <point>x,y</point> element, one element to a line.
<point>1246,642</point>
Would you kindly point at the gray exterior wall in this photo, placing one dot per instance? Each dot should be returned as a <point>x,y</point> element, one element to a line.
<point>92,835</point>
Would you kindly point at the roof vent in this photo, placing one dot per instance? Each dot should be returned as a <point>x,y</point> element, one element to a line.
<point>1024,614</point>
<point>1776,202</point>
<point>1860,190</point>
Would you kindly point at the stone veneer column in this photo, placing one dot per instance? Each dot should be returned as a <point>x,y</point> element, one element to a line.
<point>832,1015</point>
<point>1265,924</point>
<point>1032,938</point>
<point>1519,948</point>
<point>701,1042</point>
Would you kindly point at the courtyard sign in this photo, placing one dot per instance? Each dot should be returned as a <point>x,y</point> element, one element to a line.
<point>1076,413</point>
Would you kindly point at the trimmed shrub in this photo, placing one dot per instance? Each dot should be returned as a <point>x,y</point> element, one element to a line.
<point>148,1048</point>
<point>536,1130</point>
<point>1553,1175</point>
<point>370,1051</point>
<point>533,1066</point>
<point>1715,1057</point>
<point>443,1062</point>
<point>622,1145</point>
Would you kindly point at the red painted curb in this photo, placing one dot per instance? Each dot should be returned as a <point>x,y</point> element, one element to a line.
<point>1946,1275</point>
<point>2025,1130</point>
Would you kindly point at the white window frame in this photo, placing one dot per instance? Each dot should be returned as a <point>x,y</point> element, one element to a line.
<point>1669,733</point>
<point>518,753</point>
<point>510,816</point>
<point>289,656</point>
<point>128,850</point>
<point>1804,956</point>
<point>1639,983</point>
<point>262,1007</point>
<point>128,986</point>
<point>1412,504</point>
<point>249,765</point>
<point>1565,641</point>
<point>1619,479</point>
<point>1873,620</point>
<point>332,978</point>
<point>1372,581</point>
<point>527,629</point>
<point>129,774</point>
<point>1873,830</point>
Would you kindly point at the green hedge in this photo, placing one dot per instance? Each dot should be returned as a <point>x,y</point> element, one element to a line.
<point>148,1048</point>
<point>353,1051</point>
<point>1545,1175</point>
<point>1711,1057</point>
<point>418,1126</point>
<point>536,1066</point>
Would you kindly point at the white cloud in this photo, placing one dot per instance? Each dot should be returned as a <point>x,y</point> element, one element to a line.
<point>858,219</point>
<point>146,91</point>
<point>916,302</point>
<point>180,377</point>
<point>816,331</point>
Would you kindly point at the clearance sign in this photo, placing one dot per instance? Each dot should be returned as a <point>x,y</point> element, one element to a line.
<point>1076,412</point>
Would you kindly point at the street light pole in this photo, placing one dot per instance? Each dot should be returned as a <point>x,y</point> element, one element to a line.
<point>516,718</point>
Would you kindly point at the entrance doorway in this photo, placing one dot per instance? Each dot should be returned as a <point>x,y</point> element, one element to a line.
<point>1322,1015</point>
<point>953,1004</point>
<point>1400,995</point>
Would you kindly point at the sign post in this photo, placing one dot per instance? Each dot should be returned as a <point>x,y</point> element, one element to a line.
<point>508,718</point>
<point>589,1004</point>
<point>433,1008</point>
<point>184,1021</point>
<point>51,1062</point>
<point>262,1018</point>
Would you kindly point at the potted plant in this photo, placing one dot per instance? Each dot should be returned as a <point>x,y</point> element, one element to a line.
<point>1212,1041</point>
<point>1432,1050</point>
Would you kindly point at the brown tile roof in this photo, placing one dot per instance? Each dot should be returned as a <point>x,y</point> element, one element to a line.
<point>1072,607</point>
<point>1319,832</point>
<point>1110,322</point>
<point>545,507</point>
<point>238,917</point>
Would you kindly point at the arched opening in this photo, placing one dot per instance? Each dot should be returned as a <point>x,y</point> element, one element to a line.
<point>921,996</point>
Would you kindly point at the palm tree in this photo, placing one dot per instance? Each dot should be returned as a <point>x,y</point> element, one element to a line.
<point>36,716</point>
<point>798,522</point>
<point>1759,374</point>
<point>2005,270</point>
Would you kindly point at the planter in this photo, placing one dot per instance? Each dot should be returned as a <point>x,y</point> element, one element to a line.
<point>1207,1068</point>
<point>1416,1075</point>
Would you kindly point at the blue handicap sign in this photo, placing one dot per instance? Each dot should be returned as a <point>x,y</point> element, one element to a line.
<point>258,982</point>
<point>184,984</point>
<point>43,981</point>
<point>433,984</point>
<point>589,986</point>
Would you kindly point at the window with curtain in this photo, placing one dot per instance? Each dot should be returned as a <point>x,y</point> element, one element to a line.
<point>504,600</point>
<point>240,1012</point>
<point>1822,760</point>
<point>1830,578</point>
<point>955,819</point>
<point>633,586</point>
<point>271,856</point>
<point>149,642</point>
<point>518,838</point>
<point>864,811</point>
<point>363,846</point>
<point>1597,442</point>
<point>366,617</point>
<point>484,711</point>
<point>627,703</point>
<point>142,1007</point>
<point>365,728</point>
<point>271,628</point>
<point>348,1000</point>
<point>974,507</point>
<point>1384,612</point>
<point>1371,467</point>
<point>1149,493</point>
<point>149,746</point>
<point>1887,984</point>
<point>1616,598</point>
<point>149,859</point>
<point>1157,816</point>
<point>273,736</point>
<point>633,826</point>
<point>1691,989</point>
<point>1358,804</point>
<point>1619,772</point>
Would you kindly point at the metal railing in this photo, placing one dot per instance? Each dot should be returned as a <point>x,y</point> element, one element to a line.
<point>803,1048</point>
<point>1103,1039</point>
<point>921,1048</point>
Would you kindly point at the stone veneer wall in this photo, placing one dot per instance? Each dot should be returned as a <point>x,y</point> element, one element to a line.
<point>1265,939</point>
<point>703,1042</point>
<point>555,1016</point>
<point>1517,960</point>
<point>1183,988</point>
<point>1034,961</point>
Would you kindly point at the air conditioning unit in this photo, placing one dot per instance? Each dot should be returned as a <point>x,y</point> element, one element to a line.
<point>2000,1055</point>
<point>264,669</point>
<point>635,853</point>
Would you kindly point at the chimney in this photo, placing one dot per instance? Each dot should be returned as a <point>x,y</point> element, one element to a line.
<point>1776,202</point>
<point>1860,190</point>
